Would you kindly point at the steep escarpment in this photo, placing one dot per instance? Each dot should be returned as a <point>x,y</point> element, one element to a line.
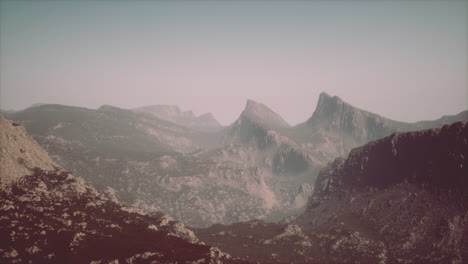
<point>407,191</point>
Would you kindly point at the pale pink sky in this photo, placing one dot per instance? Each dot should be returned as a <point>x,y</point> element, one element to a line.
<point>406,60</point>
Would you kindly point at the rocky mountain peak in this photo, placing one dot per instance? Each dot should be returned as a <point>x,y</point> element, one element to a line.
<point>328,108</point>
<point>262,115</point>
<point>208,120</point>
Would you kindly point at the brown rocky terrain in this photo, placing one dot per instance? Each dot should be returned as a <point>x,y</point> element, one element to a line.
<point>48,215</point>
<point>401,199</point>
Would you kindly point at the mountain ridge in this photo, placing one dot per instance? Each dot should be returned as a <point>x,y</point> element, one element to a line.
<point>172,113</point>
<point>251,170</point>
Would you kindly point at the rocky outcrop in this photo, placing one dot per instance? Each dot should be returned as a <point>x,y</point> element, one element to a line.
<point>407,192</point>
<point>48,215</point>
<point>19,153</point>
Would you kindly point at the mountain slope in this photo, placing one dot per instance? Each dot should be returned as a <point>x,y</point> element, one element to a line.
<point>407,191</point>
<point>19,153</point>
<point>51,216</point>
<point>400,199</point>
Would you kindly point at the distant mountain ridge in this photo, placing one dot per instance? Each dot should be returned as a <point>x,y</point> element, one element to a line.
<point>172,113</point>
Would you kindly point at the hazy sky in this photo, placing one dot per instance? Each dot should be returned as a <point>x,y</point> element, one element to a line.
<point>406,60</point>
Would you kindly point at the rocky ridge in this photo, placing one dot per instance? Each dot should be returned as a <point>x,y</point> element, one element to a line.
<point>51,216</point>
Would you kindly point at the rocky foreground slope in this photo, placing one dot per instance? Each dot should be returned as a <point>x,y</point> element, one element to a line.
<point>47,215</point>
<point>401,199</point>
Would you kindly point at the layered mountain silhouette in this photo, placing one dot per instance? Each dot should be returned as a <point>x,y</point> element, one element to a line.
<point>259,167</point>
<point>172,113</point>
<point>400,199</point>
<point>336,127</point>
<point>51,216</point>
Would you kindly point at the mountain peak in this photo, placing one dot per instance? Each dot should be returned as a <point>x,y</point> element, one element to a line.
<point>326,100</point>
<point>261,114</point>
<point>328,107</point>
<point>208,121</point>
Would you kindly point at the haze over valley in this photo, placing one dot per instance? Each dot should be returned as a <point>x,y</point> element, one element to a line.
<point>233,132</point>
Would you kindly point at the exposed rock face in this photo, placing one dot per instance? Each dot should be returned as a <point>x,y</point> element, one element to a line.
<point>19,153</point>
<point>172,113</point>
<point>257,168</point>
<point>407,191</point>
<point>401,199</point>
<point>51,216</point>
<point>262,115</point>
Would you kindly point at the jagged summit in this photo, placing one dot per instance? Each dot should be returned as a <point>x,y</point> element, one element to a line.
<point>262,115</point>
<point>208,120</point>
<point>325,100</point>
<point>335,115</point>
<point>329,107</point>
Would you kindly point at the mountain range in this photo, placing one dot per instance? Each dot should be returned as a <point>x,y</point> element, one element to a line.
<point>158,159</point>
<point>400,199</point>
